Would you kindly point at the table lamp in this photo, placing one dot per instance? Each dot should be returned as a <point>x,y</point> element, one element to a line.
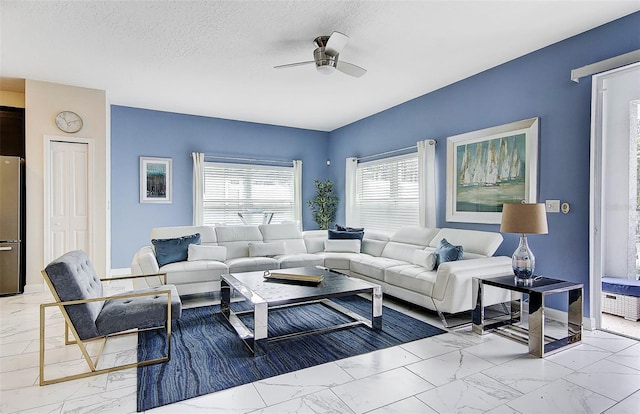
<point>524,219</point>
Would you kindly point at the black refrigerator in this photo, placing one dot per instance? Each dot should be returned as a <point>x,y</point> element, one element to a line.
<point>11,225</point>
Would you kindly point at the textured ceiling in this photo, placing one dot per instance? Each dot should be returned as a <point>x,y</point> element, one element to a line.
<point>216,58</point>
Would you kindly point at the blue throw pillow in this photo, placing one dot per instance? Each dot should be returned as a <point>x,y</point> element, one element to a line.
<point>174,250</point>
<point>343,228</point>
<point>447,252</point>
<point>337,234</point>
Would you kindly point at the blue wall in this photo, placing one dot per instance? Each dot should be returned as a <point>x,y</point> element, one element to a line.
<point>140,132</point>
<point>535,85</point>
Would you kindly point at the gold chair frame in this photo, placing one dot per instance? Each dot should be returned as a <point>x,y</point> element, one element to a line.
<point>68,326</point>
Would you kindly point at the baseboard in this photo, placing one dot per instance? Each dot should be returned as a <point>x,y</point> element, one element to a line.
<point>34,288</point>
<point>588,324</point>
<point>124,271</point>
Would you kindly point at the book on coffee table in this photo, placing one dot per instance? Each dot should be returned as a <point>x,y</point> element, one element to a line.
<point>305,275</point>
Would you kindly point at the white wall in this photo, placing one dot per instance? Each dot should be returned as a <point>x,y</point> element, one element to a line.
<point>43,101</point>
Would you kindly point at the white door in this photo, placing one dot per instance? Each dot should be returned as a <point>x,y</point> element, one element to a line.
<point>69,201</point>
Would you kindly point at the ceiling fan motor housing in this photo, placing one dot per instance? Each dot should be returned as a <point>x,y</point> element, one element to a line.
<point>324,63</point>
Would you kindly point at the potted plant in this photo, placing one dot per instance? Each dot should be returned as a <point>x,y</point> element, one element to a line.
<point>325,204</point>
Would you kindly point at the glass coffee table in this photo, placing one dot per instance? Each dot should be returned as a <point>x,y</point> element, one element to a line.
<point>265,295</point>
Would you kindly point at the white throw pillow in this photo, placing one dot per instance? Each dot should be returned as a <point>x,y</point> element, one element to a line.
<point>200,252</point>
<point>342,245</point>
<point>426,259</point>
<point>267,249</point>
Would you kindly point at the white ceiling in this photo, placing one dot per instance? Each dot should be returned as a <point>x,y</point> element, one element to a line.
<point>216,58</point>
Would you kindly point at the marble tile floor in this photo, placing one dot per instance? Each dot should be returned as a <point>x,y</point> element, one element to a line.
<point>620,325</point>
<point>457,372</point>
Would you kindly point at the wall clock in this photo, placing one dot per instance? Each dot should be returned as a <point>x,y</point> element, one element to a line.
<point>68,121</point>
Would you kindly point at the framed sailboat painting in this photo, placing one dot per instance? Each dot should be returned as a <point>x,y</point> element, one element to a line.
<point>490,167</point>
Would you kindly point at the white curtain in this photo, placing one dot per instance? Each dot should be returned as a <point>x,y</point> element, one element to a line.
<point>198,188</point>
<point>297,191</point>
<point>350,191</point>
<point>427,182</point>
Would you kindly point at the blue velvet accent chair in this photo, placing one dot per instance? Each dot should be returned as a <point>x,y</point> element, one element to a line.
<point>89,315</point>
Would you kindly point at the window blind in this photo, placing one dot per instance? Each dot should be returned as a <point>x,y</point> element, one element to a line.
<point>233,188</point>
<point>387,193</point>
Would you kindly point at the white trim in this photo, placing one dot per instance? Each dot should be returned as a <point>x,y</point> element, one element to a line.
<point>48,139</point>
<point>605,65</point>
<point>122,271</point>
<point>595,195</point>
<point>34,288</point>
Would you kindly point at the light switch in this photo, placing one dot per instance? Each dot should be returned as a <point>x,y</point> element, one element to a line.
<point>552,206</point>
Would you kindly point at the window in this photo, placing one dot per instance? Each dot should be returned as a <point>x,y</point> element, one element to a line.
<point>233,188</point>
<point>387,193</point>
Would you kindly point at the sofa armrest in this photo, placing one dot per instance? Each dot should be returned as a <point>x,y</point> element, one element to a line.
<point>144,262</point>
<point>455,278</point>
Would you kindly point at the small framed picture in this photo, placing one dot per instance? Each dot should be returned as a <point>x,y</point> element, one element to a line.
<point>155,180</point>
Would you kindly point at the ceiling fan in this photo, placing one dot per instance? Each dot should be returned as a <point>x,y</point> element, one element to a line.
<point>326,55</point>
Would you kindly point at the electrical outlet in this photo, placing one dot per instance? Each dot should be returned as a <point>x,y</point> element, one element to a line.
<point>552,206</point>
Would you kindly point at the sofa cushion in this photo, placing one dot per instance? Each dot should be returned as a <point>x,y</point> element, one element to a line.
<point>337,234</point>
<point>198,252</point>
<point>267,249</point>
<point>237,239</point>
<point>280,231</point>
<point>288,261</point>
<point>420,236</point>
<point>411,277</point>
<point>289,233</point>
<point>372,267</point>
<point>339,261</point>
<point>252,264</point>
<point>374,243</point>
<point>425,258</point>
<point>480,242</point>
<point>342,246</point>
<point>447,252</point>
<point>194,272</point>
<point>405,241</point>
<point>174,250</point>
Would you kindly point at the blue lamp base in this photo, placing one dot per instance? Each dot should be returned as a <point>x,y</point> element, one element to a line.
<point>523,262</point>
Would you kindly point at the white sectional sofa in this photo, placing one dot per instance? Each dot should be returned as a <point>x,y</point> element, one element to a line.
<point>388,260</point>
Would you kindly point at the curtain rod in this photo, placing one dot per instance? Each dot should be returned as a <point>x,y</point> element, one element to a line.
<point>431,142</point>
<point>386,153</point>
<point>218,157</point>
<point>605,65</point>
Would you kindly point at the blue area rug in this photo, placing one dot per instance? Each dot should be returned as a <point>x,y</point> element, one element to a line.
<point>207,355</point>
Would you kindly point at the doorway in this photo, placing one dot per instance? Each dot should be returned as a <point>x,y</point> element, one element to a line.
<point>67,197</point>
<point>614,226</point>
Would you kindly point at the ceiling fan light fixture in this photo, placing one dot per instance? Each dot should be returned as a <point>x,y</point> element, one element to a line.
<point>325,64</point>
<point>325,69</point>
<point>326,54</point>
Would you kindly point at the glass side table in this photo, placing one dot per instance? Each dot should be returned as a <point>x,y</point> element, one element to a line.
<point>507,323</point>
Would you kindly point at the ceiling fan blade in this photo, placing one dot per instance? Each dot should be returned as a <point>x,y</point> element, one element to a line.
<point>291,65</point>
<point>337,41</point>
<point>350,69</point>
